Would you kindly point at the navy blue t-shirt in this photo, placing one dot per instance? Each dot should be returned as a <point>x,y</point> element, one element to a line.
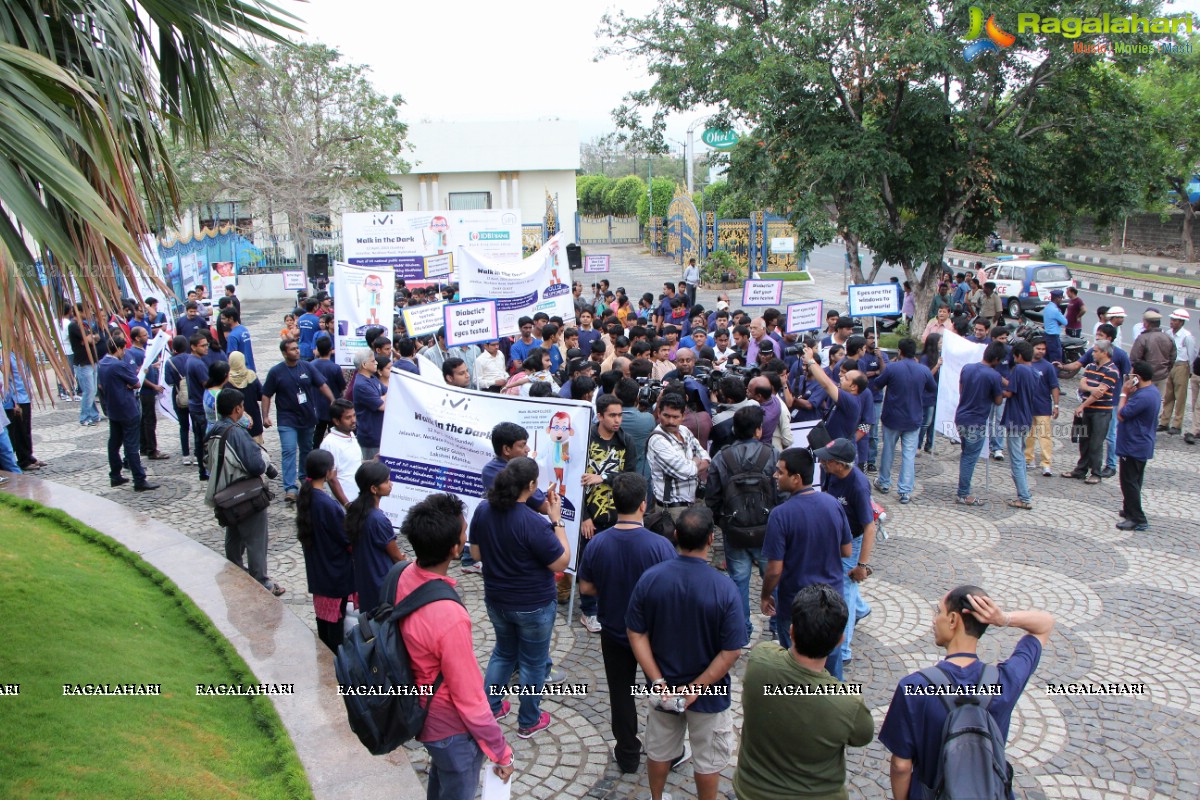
<point>691,612</point>
<point>328,563</point>
<point>115,377</point>
<point>868,362</point>
<point>843,419</point>
<point>978,387</point>
<point>371,559</point>
<point>293,389</point>
<point>1018,411</point>
<point>515,546</point>
<point>196,373</point>
<point>929,395</point>
<point>806,532</point>
<point>1043,399</point>
<point>308,324</point>
<point>368,394</point>
<point>614,560</point>
<point>913,726</point>
<point>488,474</point>
<point>1135,434</point>
<point>853,493</point>
<point>336,381</point>
<point>185,326</point>
<point>906,381</point>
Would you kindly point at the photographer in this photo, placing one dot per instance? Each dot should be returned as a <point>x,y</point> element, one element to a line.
<point>685,365</point>
<point>730,396</point>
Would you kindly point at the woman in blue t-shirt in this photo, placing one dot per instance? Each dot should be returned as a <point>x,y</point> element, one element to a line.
<point>520,550</point>
<point>320,527</point>
<point>218,375</point>
<point>370,534</point>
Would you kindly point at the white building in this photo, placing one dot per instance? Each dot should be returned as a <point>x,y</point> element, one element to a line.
<point>469,165</point>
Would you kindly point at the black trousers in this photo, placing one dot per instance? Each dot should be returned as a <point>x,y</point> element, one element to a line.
<point>1132,472</point>
<point>1093,431</point>
<point>323,426</point>
<point>199,425</point>
<point>620,670</point>
<point>126,434</point>
<point>149,424</point>
<point>20,433</point>
<point>333,633</point>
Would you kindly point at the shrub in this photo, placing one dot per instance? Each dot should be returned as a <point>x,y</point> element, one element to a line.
<point>969,243</point>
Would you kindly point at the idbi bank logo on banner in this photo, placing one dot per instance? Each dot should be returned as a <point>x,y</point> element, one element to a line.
<point>489,236</point>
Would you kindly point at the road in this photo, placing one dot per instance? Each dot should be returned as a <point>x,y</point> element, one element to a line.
<point>827,264</point>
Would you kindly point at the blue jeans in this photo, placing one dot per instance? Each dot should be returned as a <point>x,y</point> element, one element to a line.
<point>1016,461</point>
<point>908,458</point>
<point>850,591</point>
<point>294,442</point>
<point>454,765</point>
<point>925,437</point>
<point>8,457</point>
<point>996,438</point>
<point>740,562</point>
<point>873,446</point>
<point>85,378</point>
<point>522,639</point>
<point>1110,460</point>
<point>972,438</point>
<point>783,624</point>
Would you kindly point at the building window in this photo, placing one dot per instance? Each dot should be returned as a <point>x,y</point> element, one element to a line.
<point>469,201</point>
<point>393,202</point>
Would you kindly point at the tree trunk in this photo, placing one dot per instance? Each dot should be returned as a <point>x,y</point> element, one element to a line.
<point>855,259</point>
<point>1189,218</point>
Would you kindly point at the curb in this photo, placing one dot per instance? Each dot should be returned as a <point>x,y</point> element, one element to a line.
<point>1140,294</point>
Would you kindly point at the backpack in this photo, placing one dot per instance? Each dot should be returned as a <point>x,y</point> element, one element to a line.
<point>746,500</point>
<point>384,705</point>
<point>181,393</point>
<point>971,763</point>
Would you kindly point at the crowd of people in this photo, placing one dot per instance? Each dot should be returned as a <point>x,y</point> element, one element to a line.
<point>692,478</point>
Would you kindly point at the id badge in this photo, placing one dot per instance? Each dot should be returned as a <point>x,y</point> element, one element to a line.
<point>301,398</point>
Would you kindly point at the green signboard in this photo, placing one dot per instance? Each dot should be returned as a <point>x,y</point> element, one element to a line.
<point>720,138</point>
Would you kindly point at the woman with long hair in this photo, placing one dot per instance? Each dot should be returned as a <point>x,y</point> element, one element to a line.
<point>369,532</point>
<point>520,550</point>
<point>246,381</point>
<point>218,376</point>
<point>320,527</point>
<point>175,375</point>
<point>535,367</point>
<point>931,356</point>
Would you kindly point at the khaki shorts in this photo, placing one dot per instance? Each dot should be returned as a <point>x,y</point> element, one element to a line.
<point>711,735</point>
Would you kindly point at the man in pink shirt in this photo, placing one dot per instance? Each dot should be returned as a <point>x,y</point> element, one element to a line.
<point>460,729</point>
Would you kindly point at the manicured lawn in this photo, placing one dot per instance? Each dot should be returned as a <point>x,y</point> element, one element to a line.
<point>79,608</point>
<point>784,276</point>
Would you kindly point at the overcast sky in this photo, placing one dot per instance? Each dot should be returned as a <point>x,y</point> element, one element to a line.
<point>516,60</point>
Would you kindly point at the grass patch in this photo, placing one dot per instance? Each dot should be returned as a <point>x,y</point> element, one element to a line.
<point>80,608</point>
<point>784,276</point>
<point>1149,277</point>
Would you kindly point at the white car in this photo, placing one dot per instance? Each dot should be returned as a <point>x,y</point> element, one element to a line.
<point>1026,285</point>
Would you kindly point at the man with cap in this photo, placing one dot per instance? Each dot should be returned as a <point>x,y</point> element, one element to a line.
<point>1154,346</point>
<point>1116,318</point>
<point>1175,397</point>
<point>1053,323</point>
<point>852,489</point>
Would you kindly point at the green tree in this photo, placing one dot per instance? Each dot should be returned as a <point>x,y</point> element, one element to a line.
<point>89,90</point>
<point>868,115</point>
<point>622,198</point>
<point>583,184</point>
<point>595,192</point>
<point>663,190</point>
<point>308,131</point>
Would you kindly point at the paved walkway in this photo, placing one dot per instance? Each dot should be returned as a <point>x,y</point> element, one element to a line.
<point>1126,604</point>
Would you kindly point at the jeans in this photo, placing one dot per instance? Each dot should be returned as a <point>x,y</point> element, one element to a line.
<point>589,604</point>
<point>1094,429</point>
<point>127,434</point>
<point>249,538</point>
<point>8,458</point>
<point>185,425</point>
<point>1054,351</point>
<point>973,438</point>
<point>85,377</point>
<point>853,596</point>
<point>294,442</point>
<point>454,766</point>
<point>1132,473</point>
<point>1110,458</point>
<point>873,446</point>
<point>620,671</point>
<point>1016,461</point>
<point>199,424</point>
<point>925,436</point>
<point>996,437</point>
<point>522,639</point>
<point>908,458</point>
<point>740,562</point>
<point>783,623</point>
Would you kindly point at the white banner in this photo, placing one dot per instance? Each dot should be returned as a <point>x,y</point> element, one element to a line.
<point>142,282</point>
<point>363,299</point>
<point>194,271</point>
<point>424,319</point>
<point>154,352</point>
<point>805,316</point>
<point>400,240</point>
<point>957,352</point>
<point>541,282</point>
<point>874,299</point>
<point>437,438</point>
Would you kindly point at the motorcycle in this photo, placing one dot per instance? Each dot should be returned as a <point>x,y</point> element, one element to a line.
<point>994,243</point>
<point>1073,347</point>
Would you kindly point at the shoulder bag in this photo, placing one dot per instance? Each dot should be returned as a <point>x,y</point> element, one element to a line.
<point>241,499</point>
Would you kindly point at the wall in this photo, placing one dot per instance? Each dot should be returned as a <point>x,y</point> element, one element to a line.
<point>265,286</point>
<point>1147,234</point>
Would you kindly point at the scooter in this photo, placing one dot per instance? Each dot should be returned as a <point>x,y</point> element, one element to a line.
<point>994,243</point>
<point>1073,347</point>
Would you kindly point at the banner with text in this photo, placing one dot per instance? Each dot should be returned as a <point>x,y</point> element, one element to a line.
<point>592,264</point>
<point>364,298</point>
<point>402,240</point>
<point>761,293</point>
<point>424,319</point>
<point>523,288</point>
<point>805,316</point>
<point>473,322</point>
<point>437,438</point>
<point>874,299</point>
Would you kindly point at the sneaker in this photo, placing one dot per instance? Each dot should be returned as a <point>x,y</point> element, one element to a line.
<point>872,469</point>
<point>541,725</point>
<point>556,676</point>
<point>1189,438</point>
<point>63,396</point>
<point>684,757</point>
<point>1047,472</point>
<point>77,398</point>
<point>997,455</point>
<point>905,499</point>
<point>475,568</point>
<point>1028,465</point>
<point>590,622</point>
<point>1172,431</point>
<point>188,461</point>
<point>1130,525</point>
<point>1160,428</point>
<point>289,498</point>
<point>880,487</point>
<point>505,710</point>
<point>1107,472</point>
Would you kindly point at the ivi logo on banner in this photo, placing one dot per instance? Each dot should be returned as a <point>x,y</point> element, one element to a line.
<point>384,219</point>
<point>461,404</point>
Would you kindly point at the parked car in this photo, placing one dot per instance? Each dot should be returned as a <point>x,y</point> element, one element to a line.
<point>1026,285</point>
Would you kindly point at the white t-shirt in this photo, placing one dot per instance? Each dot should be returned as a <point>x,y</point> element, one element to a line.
<point>347,458</point>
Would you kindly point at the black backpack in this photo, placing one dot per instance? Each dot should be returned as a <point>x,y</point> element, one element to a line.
<point>746,499</point>
<point>971,763</point>
<point>385,706</point>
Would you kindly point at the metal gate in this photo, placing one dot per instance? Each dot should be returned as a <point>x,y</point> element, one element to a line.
<point>683,229</point>
<point>608,229</point>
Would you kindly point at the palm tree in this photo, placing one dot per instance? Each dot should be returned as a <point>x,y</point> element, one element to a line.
<point>90,93</point>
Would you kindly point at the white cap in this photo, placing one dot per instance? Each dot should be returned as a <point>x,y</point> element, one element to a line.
<point>722,305</point>
<point>1181,313</point>
<point>1116,311</point>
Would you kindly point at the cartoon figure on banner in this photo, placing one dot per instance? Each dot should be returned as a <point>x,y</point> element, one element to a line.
<point>555,264</point>
<point>560,431</point>
<point>373,285</point>
<point>440,227</point>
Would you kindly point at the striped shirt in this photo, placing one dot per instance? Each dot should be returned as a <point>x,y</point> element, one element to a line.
<point>1106,375</point>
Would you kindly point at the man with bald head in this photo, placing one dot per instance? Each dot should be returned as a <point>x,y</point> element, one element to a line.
<point>621,364</point>
<point>685,365</point>
<point>759,339</point>
<point>760,390</point>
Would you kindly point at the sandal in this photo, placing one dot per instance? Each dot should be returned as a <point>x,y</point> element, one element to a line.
<point>1091,480</point>
<point>1020,504</point>
<point>968,501</point>
<point>277,590</point>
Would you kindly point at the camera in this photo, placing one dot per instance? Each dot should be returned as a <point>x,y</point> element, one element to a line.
<point>648,391</point>
<point>272,473</point>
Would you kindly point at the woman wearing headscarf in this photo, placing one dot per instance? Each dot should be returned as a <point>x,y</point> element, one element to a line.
<point>246,381</point>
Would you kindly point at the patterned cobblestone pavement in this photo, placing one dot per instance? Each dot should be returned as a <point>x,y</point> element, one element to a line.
<point>1126,604</point>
